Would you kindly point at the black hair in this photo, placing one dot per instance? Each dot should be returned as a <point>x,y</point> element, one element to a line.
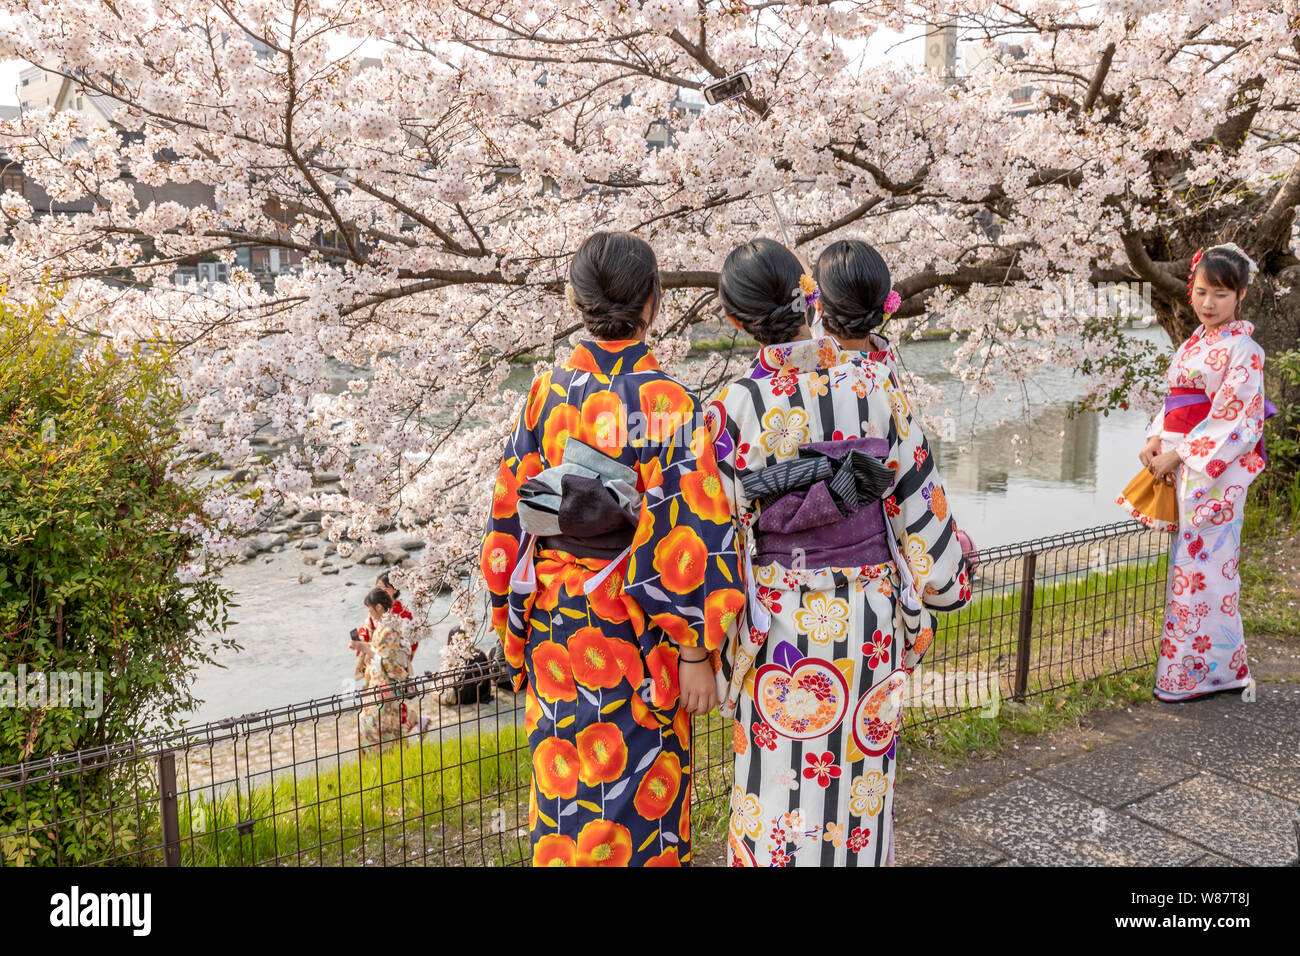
<point>379,598</point>
<point>1224,268</point>
<point>612,276</point>
<point>383,579</point>
<point>757,284</point>
<point>854,282</point>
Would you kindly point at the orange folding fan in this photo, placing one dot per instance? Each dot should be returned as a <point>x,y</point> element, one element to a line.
<point>1152,502</point>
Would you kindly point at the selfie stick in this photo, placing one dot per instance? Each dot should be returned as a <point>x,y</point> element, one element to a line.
<point>742,83</point>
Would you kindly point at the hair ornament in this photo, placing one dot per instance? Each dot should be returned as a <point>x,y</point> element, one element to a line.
<point>892,303</point>
<point>1191,273</point>
<point>804,294</point>
<point>1250,263</point>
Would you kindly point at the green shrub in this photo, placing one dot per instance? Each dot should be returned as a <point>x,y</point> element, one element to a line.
<point>93,490</point>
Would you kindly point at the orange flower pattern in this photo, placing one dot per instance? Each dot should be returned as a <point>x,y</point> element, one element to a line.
<point>682,560</point>
<point>610,746</point>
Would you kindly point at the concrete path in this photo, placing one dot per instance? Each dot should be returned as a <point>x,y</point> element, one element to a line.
<point>1206,783</point>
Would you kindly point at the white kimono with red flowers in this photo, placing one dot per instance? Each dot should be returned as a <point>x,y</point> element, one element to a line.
<point>1203,648</point>
<point>817,698</point>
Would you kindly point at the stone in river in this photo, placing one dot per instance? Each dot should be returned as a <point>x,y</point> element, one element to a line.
<point>331,548</point>
<point>394,556</point>
<point>309,559</point>
<point>330,569</point>
<point>304,578</point>
<point>309,544</point>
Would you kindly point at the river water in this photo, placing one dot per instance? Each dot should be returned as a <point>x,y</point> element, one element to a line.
<point>294,635</point>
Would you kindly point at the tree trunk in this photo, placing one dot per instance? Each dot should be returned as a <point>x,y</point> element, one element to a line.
<point>1277,328</point>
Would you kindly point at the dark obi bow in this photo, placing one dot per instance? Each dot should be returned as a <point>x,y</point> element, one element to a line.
<point>815,506</point>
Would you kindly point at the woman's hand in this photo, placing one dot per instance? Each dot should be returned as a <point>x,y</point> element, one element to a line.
<point>699,692</point>
<point>363,648</point>
<point>1149,451</point>
<point>1165,466</point>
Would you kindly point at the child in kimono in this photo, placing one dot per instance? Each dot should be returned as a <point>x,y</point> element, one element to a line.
<point>1208,441</point>
<point>834,489</point>
<point>384,660</point>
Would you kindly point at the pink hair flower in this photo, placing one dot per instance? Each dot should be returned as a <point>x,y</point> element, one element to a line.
<point>892,302</point>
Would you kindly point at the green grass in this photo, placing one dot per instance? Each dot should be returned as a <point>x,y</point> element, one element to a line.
<point>1270,551</point>
<point>712,763</point>
<point>1072,618</point>
<point>970,734</point>
<point>459,802</point>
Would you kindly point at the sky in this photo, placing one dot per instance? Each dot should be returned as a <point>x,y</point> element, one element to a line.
<point>905,48</point>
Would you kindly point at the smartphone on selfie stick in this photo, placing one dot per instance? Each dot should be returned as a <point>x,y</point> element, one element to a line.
<point>732,88</point>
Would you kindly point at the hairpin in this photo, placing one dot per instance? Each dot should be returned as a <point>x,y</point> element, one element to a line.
<point>804,294</point>
<point>1250,263</point>
<point>891,304</point>
<point>1191,273</point>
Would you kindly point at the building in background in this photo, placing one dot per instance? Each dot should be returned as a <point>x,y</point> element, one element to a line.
<point>979,57</point>
<point>941,52</point>
<point>42,89</point>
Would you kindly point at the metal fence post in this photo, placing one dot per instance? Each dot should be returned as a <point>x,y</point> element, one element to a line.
<point>171,824</point>
<point>1026,630</point>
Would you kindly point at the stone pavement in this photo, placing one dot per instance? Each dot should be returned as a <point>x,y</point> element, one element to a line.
<point>1213,782</point>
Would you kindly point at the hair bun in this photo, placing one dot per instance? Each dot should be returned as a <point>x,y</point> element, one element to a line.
<point>611,278</point>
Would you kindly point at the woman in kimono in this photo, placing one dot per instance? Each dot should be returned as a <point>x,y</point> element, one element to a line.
<point>384,660</point>
<point>833,487</point>
<point>1208,441</point>
<point>608,612</point>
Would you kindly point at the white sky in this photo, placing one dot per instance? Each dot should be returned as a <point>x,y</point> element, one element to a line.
<point>905,48</point>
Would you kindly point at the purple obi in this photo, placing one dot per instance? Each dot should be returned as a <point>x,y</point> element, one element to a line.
<point>823,508</point>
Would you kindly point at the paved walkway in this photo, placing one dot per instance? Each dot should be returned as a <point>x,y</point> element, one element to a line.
<point>1206,783</point>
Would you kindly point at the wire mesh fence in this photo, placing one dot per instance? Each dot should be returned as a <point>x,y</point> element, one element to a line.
<point>446,781</point>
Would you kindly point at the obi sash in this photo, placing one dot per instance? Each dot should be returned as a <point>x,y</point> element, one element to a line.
<point>587,506</point>
<point>819,506</point>
<point>1185,408</point>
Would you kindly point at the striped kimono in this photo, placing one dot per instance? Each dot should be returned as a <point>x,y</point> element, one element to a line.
<point>817,695</point>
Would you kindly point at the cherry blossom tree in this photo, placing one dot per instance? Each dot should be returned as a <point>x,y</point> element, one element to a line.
<point>433,163</point>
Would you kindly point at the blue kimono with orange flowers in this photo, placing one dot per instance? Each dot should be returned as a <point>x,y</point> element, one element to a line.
<point>610,746</point>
